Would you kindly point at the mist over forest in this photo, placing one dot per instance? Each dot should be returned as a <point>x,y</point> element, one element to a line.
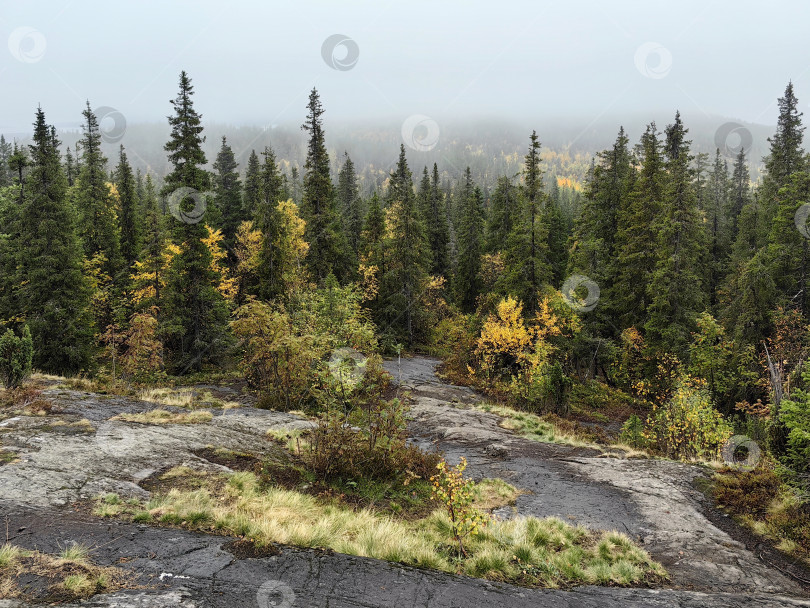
<point>429,293</point>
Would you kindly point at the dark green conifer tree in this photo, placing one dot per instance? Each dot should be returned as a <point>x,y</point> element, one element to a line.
<point>267,220</point>
<point>636,236</point>
<point>327,245</point>
<point>408,258</point>
<point>350,205</point>
<point>53,295</point>
<point>677,291</point>
<point>228,191</point>
<point>94,202</point>
<point>467,279</point>
<point>527,266</point>
<point>194,322</point>
<point>129,220</point>
<point>252,194</point>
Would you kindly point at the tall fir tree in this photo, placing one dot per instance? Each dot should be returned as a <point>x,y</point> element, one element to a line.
<point>267,220</point>
<point>228,192</point>
<point>195,314</point>
<point>636,237</point>
<point>350,204</point>
<point>6,175</point>
<point>786,155</point>
<point>94,201</point>
<point>503,213</point>
<point>408,258</point>
<point>676,292</point>
<point>153,247</point>
<point>252,194</point>
<point>716,205</point>
<point>71,167</point>
<point>129,220</point>
<point>53,293</point>
<point>327,246</point>
<point>739,195</point>
<point>438,230</point>
<point>527,257</point>
<point>467,279</point>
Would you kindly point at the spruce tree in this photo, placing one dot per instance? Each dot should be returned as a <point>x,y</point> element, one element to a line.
<point>786,155</point>
<point>350,205</point>
<point>252,194</point>
<point>527,257</point>
<point>716,204</point>
<point>228,194</point>
<point>154,243</point>
<point>788,257</point>
<point>195,314</point>
<point>503,213</point>
<point>6,175</point>
<point>53,294</point>
<point>597,237</point>
<point>467,279</point>
<point>636,237</point>
<point>408,258</point>
<point>739,195</point>
<point>94,201</point>
<point>71,168</point>
<point>129,219</point>
<point>267,220</point>
<point>437,229</point>
<point>676,291</point>
<point>327,246</point>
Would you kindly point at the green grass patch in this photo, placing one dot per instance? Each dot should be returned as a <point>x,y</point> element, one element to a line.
<point>523,550</point>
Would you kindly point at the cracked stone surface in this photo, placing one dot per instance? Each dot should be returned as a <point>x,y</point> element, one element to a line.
<point>653,501</point>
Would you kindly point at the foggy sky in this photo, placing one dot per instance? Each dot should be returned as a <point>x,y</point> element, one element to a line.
<point>254,62</point>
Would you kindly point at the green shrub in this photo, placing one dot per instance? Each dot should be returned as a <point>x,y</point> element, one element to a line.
<point>794,417</point>
<point>360,434</point>
<point>546,389</point>
<point>687,425</point>
<point>16,354</point>
<point>633,432</point>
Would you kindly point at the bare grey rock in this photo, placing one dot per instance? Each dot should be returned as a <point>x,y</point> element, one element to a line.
<point>652,501</point>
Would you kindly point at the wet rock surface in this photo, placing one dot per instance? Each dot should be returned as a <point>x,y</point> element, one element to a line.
<point>653,501</point>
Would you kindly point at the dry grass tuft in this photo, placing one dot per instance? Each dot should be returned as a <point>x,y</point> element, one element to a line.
<point>524,550</point>
<point>165,417</point>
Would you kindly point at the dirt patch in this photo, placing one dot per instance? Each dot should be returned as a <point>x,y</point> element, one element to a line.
<point>247,549</point>
<point>236,461</point>
<point>183,479</point>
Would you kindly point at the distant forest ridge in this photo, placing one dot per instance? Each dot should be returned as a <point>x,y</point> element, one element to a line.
<point>490,148</point>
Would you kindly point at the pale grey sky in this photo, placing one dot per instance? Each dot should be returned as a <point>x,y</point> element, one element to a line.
<point>253,62</point>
